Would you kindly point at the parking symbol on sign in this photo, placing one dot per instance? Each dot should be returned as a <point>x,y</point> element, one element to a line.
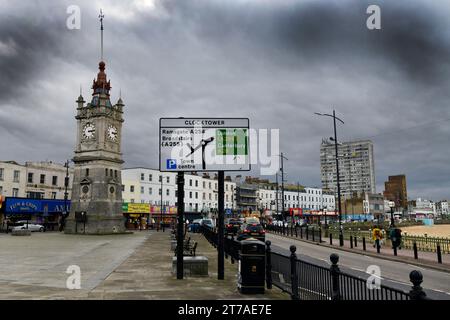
<point>171,164</point>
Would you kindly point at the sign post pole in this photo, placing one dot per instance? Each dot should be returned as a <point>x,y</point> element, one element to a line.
<point>221,191</point>
<point>180,203</point>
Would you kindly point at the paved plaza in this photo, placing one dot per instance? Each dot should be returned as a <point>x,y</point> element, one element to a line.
<point>132,266</point>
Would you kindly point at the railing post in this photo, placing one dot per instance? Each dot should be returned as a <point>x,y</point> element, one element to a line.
<point>313,234</point>
<point>268,265</point>
<point>438,250</point>
<point>364,243</point>
<point>294,278</point>
<point>331,239</point>
<point>415,250</point>
<point>320,235</point>
<point>351,241</point>
<point>301,232</point>
<point>307,236</point>
<point>334,270</point>
<point>231,249</point>
<point>356,242</point>
<point>416,293</point>
<point>296,233</point>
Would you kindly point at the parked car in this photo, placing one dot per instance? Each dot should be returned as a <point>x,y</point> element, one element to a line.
<point>207,223</point>
<point>31,226</point>
<point>195,226</point>
<point>251,231</point>
<point>232,226</point>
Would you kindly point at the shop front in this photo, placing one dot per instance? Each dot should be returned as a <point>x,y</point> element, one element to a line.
<point>46,212</point>
<point>136,215</point>
<point>142,216</point>
<point>168,217</point>
<point>311,216</point>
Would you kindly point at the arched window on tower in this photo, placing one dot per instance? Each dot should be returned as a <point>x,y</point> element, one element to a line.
<point>106,172</point>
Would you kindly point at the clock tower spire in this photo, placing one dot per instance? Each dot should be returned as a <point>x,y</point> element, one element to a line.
<point>96,204</point>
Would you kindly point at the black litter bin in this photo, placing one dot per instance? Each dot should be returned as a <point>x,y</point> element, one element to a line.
<point>252,266</point>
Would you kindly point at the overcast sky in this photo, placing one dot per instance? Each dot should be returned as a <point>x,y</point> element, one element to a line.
<point>275,62</point>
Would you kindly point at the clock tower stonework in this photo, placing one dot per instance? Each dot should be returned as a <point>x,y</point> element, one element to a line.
<point>96,204</point>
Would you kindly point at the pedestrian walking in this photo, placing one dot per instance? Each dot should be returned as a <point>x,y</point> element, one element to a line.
<point>376,236</point>
<point>396,237</point>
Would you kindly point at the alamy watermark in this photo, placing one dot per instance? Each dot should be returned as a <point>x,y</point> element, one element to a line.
<point>374,280</point>
<point>374,20</point>
<point>73,281</point>
<point>262,148</point>
<point>73,21</point>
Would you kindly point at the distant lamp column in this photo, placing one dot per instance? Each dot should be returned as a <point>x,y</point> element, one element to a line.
<point>341,235</point>
<point>392,205</point>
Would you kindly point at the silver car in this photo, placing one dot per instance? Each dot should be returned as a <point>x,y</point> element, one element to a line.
<point>31,226</point>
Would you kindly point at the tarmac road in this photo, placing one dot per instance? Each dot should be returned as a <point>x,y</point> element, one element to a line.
<point>394,274</point>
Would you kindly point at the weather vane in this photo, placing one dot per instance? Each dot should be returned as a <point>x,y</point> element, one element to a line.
<point>101,16</point>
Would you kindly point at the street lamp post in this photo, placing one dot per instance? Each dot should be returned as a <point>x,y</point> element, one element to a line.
<point>66,195</point>
<point>341,236</point>
<point>162,222</point>
<point>282,157</point>
<point>392,205</point>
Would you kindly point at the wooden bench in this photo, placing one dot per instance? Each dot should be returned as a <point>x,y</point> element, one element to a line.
<point>188,249</point>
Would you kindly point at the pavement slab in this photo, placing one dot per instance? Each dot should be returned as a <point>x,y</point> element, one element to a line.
<point>131,266</point>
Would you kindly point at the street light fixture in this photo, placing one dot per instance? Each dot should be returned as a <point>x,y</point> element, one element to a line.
<point>341,236</point>
<point>392,205</point>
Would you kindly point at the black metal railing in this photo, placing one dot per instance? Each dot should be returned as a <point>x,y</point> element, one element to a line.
<point>280,271</point>
<point>307,281</point>
<point>305,232</point>
<point>231,245</point>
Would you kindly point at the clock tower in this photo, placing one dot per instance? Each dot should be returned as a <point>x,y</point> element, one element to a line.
<point>96,204</point>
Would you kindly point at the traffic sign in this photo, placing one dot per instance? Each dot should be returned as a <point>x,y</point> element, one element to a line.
<point>204,144</point>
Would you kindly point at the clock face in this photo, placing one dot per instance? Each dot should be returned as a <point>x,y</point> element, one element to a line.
<point>89,131</point>
<point>112,133</point>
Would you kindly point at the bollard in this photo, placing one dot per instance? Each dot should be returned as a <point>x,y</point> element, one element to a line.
<point>439,256</point>
<point>356,242</point>
<point>351,242</point>
<point>268,265</point>
<point>294,279</point>
<point>378,246</point>
<point>415,250</point>
<point>301,232</point>
<point>331,239</point>
<point>313,234</point>
<point>307,236</point>
<point>296,233</point>
<point>334,270</point>
<point>320,235</point>
<point>416,292</point>
<point>395,250</point>
<point>364,243</point>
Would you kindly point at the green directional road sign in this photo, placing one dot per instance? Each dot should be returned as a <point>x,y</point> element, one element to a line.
<point>232,142</point>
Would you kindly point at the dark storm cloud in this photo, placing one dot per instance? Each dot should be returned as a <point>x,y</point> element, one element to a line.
<point>33,43</point>
<point>276,62</point>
